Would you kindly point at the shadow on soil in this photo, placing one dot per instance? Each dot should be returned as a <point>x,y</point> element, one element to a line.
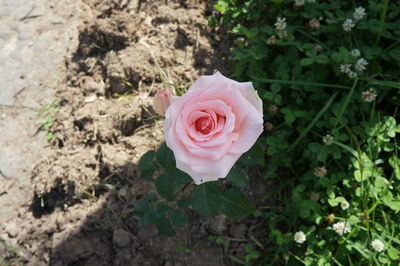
<point>110,235</point>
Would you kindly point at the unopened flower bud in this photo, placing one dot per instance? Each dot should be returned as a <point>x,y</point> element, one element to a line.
<point>320,171</point>
<point>314,196</point>
<point>314,23</point>
<point>282,34</point>
<point>271,40</point>
<point>330,218</point>
<point>268,126</point>
<point>162,100</point>
<point>273,109</point>
<point>317,47</point>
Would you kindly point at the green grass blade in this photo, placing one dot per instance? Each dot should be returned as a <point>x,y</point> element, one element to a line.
<point>383,19</point>
<point>347,148</point>
<point>315,120</point>
<point>390,84</point>
<point>346,102</point>
<point>300,83</point>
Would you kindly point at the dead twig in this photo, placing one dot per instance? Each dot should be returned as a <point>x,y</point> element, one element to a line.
<point>18,107</point>
<point>4,175</point>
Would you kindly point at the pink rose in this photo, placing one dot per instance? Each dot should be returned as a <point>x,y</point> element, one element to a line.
<point>162,100</point>
<point>211,125</point>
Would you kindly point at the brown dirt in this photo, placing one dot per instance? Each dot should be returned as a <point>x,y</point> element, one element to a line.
<point>83,193</point>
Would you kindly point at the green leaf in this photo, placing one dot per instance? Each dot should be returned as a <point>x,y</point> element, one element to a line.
<point>306,61</point>
<point>165,156</point>
<point>275,88</point>
<point>179,177</point>
<point>336,57</point>
<point>322,59</point>
<point>183,203</point>
<point>221,6</point>
<point>336,201</point>
<point>141,206</point>
<point>304,210</point>
<point>394,205</point>
<point>164,226</point>
<point>146,165</point>
<point>235,204</point>
<point>393,253</point>
<point>395,163</point>
<point>206,199</point>
<point>165,187</point>
<point>179,218</point>
<point>395,54</point>
<point>237,177</point>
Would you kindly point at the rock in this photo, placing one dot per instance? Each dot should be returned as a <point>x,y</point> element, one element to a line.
<point>168,263</point>
<point>124,192</point>
<point>2,251</point>
<point>12,230</point>
<point>238,230</point>
<point>91,98</point>
<point>121,238</point>
<point>218,224</point>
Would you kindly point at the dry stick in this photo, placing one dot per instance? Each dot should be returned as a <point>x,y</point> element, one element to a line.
<point>5,176</point>
<point>18,107</point>
<point>18,93</point>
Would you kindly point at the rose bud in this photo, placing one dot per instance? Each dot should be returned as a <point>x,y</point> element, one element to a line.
<point>162,101</point>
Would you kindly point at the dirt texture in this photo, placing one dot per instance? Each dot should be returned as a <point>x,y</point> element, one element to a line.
<point>79,208</point>
<point>34,38</point>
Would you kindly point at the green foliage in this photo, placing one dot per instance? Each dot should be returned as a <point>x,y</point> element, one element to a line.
<point>333,140</point>
<point>206,199</point>
<point>46,118</point>
<point>176,193</point>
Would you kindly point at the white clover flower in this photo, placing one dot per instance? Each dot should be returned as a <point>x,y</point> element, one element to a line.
<point>341,228</point>
<point>345,68</point>
<point>359,13</point>
<point>361,64</point>
<point>280,24</point>
<point>327,139</point>
<point>299,2</point>
<point>355,53</point>
<point>378,245</point>
<point>369,96</point>
<point>348,24</point>
<point>345,205</point>
<point>299,237</point>
<point>320,171</point>
<point>311,1</point>
<point>352,74</point>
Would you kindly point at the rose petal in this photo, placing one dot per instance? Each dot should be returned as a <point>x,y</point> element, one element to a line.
<point>250,129</point>
<point>207,81</point>
<point>252,96</point>
<point>198,178</point>
<point>218,168</point>
<point>232,96</point>
<point>210,171</point>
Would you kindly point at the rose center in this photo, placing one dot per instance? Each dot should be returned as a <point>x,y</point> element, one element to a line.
<point>204,125</point>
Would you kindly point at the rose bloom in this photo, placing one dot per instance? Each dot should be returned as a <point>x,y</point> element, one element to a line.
<point>211,125</point>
